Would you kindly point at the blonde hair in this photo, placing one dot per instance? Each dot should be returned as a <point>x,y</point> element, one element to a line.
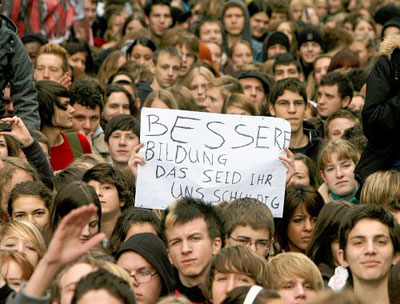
<point>117,271</point>
<point>57,50</point>
<point>88,161</point>
<point>343,148</point>
<point>7,256</point>
<point>382,188</point>
<point>203,71</point>
<point>293,265</point>
<point>166,97</point>
<point>26,231</point>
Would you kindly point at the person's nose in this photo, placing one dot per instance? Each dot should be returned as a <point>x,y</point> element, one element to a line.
<point>370,247</point>
<point>292,108</point>
<point>339,172</point>
<point>85,233</point>
<point>86,124</point>
<point>122,141</point>
<point>307,225</point>
<point>200,91</point>
<point>186,248</point>
<point>46,74</point>
<point>300,291</point>
<point>231,284</point>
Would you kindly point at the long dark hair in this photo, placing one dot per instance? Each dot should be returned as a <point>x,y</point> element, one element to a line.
<point>326,231</point>
<point>297,195</point>
<point>70,197</point>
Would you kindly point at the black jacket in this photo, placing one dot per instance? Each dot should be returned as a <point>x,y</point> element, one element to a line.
<point>16,68</point>
<point>381,113</point>
<point>314,142</point>
<point>150,247</point>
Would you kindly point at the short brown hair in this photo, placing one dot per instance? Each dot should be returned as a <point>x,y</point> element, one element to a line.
<point>339,114</point>
<point>239,259</point>
<point>248,211</point>
<point>241,101</point>
<point>166,97</point>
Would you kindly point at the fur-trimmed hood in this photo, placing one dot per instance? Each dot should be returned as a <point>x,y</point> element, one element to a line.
<point>389,44</point>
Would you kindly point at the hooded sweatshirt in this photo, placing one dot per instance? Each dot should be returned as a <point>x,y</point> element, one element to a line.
<point>150,247</point>
<point>246,34</point>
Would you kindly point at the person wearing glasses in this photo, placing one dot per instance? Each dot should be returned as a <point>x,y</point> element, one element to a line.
<point>144,256</point>
<point>249,222</point>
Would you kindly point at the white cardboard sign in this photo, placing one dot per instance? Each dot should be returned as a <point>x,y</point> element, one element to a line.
<point>214,157</point>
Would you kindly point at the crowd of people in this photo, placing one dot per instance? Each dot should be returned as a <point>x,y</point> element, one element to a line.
<point>73,81</point>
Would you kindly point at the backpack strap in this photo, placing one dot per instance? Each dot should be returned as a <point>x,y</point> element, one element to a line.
<point>74,143</point>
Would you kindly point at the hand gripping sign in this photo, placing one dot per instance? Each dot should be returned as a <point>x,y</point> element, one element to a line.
<point>214,157</point>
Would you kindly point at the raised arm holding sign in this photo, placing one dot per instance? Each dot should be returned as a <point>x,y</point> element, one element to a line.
<point>215,157</point>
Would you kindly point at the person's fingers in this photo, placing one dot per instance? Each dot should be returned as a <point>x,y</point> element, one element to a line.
<point>138,147</point>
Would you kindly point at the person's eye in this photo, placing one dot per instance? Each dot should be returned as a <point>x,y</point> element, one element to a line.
<point>288,286</point>
<point>126,107</point>
<point>244,279</point>
<point>221,278</point>
<point>132,137</point>
<point>136,56</point>
<point>382,242</point>
<point>40,213</point>
<point>298,220</point>
<point>19,215</point>
<point>93,224</point>
<point>113,106</point>
<point>94,118</point>
<point>174,243</point>
<point>196,238</point>
<point>308,286</point>
<point>9,245</point>
<point>106,187</point>
<point>30,247</point>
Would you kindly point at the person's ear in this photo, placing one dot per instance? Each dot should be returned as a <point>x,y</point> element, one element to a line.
<point>107,147</point>
<point>216,245</point>
<point>322,174</point>
<point>396,258</point>
<point>147,20</point>
<point>170,258</point>
<point>342,259</point>
<point>121,203</point>
<point>271,109</point>
<point>346,102</point>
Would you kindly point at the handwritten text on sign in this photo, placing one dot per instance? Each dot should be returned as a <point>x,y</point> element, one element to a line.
<point>215,157</point>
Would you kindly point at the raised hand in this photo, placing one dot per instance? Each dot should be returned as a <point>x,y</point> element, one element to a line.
<point>288,161</point>
<point>136,159</point>
<point>18,130</point>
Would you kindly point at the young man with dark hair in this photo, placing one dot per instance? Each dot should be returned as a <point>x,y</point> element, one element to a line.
<point>158,17</point>
<point>310,46</point>
<point>168,63</point>
<point>87,101</point>
<point>288,100</point>
<point>117,101</point>
<point>121,136</point>
<point>368,243</point>
<point>286,66</point>
<point>102,286</point>
<point>334,93</point>
<point>278,11</point>
<point>250,223</point>
<point>56,115</point>
<point>113,192</point>
<point>192,230</point>
<point>209,29</point>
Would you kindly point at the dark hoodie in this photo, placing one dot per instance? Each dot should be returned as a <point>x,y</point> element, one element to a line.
<point>16,68</point>
<point>246,34</point>
<point>150,247</point>
<point>381,113</point>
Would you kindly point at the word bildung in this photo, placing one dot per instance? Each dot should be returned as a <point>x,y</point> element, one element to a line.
<point>214,157</point>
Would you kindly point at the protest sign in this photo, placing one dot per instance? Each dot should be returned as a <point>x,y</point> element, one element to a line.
<point>215,157</point>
